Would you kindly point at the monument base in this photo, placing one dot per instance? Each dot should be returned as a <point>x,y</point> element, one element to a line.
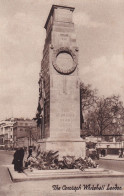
<point>97,174</point>
<point>71,147</point>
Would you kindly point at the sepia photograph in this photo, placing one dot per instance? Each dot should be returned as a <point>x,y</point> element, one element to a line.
<point>62,97</point>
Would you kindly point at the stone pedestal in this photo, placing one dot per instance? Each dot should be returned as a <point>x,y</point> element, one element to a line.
<point>60,87</point>
<point>66,148</point>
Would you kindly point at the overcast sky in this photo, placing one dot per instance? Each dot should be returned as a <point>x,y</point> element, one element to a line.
<point>100,36</point>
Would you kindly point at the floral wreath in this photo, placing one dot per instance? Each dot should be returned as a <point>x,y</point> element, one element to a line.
<point>68,51</point>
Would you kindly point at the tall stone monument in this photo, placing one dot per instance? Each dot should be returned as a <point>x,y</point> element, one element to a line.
<point>59,87</point>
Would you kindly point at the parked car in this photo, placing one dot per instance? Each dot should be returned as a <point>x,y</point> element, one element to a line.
<point>2,147</point>
<point>93,153</point>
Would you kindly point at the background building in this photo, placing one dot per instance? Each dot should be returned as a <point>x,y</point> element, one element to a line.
<point>18,131</point>
<point>25,132</point>
<point>6,132</point>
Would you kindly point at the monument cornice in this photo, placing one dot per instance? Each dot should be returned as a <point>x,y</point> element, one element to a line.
<point>52,10</point>
<point>60,140</point>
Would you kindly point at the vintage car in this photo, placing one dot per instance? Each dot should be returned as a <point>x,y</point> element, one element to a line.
<point>93,153</point>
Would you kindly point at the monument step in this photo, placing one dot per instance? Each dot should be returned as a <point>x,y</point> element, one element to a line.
<point>47,174</point>
<point>67,172</point>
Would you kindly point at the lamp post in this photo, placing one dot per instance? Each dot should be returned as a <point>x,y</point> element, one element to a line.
<point>30,131</point>
<point>29,136</point>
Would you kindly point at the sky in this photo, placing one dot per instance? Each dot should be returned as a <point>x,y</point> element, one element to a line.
<point>99,26</point>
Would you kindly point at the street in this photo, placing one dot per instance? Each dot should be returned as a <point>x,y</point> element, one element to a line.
<point>45,187</point>
<point>5,159</point>
<point>112,164</point>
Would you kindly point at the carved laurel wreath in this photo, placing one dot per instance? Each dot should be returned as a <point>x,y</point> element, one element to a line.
<point>56,52</point>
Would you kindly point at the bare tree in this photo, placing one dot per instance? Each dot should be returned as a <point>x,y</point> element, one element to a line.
<point>88,96</point>
<point>107,117</point>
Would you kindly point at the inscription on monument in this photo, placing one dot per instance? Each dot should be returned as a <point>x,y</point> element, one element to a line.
<point>65,120</point>
<point>64,39</point>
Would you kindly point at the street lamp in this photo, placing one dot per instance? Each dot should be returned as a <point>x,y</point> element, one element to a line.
<point>30,131</point>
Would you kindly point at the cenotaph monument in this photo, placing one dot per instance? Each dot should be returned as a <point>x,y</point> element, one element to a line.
<point>59,109</point>
<point>59,86</point>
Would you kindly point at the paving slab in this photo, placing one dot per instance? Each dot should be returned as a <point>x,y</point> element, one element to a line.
<point>27,175</point>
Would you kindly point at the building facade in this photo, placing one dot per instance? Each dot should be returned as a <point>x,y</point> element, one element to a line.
<point>24,132</point>
<point>18,131</point>
<point>6,132</point>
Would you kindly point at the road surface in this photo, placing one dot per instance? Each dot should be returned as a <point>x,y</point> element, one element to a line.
<point>111,164</point>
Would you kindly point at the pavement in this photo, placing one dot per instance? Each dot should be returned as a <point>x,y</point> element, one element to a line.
<point>35,174</point>
<point>69,187</point>
<point>72,184</point>
<point>112,157</point>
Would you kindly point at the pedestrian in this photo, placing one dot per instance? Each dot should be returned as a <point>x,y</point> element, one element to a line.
<point>21,154</point>
<point>29,152</point>
<point>119,153</point>
<point>18,159</point>
<point>97,154</point>
<point>123,154</point>
<point>15,160</point>
<point>87,152</point>
<point>38,150</point>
